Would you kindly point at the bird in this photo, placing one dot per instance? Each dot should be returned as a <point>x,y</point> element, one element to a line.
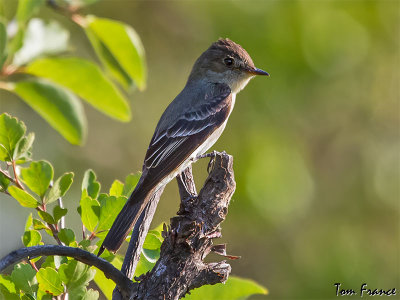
<point>189,126</point>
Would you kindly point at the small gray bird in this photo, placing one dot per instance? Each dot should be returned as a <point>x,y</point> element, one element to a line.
<point>190,125</point>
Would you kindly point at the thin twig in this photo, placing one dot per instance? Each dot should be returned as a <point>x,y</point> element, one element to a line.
<point>53,229</point>
<point>5,173</point>
<point>16,180</point>
<point>69,11</point>
<point>92,236</point>
<point>62,220</point>
<point>34,266</point>
<point>83,232</point>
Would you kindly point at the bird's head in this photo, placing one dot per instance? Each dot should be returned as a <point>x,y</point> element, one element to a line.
<point>226,62</point>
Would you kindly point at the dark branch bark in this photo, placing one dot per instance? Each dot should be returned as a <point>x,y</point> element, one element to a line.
<point>189,239</point>
<point>123,283</point>
<point>186,185</point>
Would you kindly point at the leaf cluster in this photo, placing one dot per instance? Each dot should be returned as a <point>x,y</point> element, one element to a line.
<point>36,65</point>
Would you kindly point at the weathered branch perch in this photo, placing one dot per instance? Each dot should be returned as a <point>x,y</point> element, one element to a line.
<point>189,239</point>
<point>186,242</point>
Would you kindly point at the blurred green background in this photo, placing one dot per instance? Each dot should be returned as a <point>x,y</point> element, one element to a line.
<point>316,145</point>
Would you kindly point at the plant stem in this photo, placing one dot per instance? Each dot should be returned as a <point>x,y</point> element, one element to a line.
<point>92,236</point>
<point>34,266</point>
<point>51,226</point>
<point>5,173</point>
<point>83,232</point>
<point>16,180</point>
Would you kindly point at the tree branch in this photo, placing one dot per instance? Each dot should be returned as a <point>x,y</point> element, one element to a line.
<point>186,185</point>
<point>188,241</point>
<point>123,283</point>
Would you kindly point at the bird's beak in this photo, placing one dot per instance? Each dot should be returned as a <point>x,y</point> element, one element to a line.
<point>256,71</point>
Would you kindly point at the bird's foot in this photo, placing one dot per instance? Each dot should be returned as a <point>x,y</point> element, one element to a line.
<point>212,155</point>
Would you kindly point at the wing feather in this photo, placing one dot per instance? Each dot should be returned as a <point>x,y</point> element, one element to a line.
<point>172,146</point>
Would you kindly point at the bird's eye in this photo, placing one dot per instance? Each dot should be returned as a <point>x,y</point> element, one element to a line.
<point>228,61</point>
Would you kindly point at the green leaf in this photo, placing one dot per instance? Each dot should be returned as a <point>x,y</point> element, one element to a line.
<point>27,8</point>
<point>152,242</point>
<point>109,209</point>
<point>49,262</point>
<point>116,188</point>
<point>42,295</point>
<point>48,218</point>
<point>84,244</point>
<point>24,147</point>
<point>81,293</point>
<point>59,260</point>
<point>109,61</point>
<point>61,109</point>
<point>89,211</point>
<point>49,280</point>
<point>130,183</point>
<point>17,41</point>
<point>29,222</point>
<point>40,38</point>
<point>67,236</point>
<point>107,285</point>
<point>23,197</point>
<point>76,274</point>
<point>152,255</point>
<point>38,225</point>
<point>31,238</point>
<point>4,182</point>
<point>60,187</point>
<point>59,212</point>
<point>3,43</point>
<point>7,288</point>
<point>90,184</point>
<point>38,176</point>
<point>143,266</point>
<point>91,295</point>
<point>234,289</point>
<point>120,49</point>
<point>158,231</point>
<point>24,279</point>
<point>54,261</point>
<point>97,90</point>
<point>11,131</point>
<point>6,295</point>
<point>7,283</point>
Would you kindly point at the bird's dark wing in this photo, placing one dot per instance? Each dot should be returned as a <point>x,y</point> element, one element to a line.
<point>172,146</point>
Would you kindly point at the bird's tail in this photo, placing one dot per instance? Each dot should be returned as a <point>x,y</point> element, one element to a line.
<point>125,221</point>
